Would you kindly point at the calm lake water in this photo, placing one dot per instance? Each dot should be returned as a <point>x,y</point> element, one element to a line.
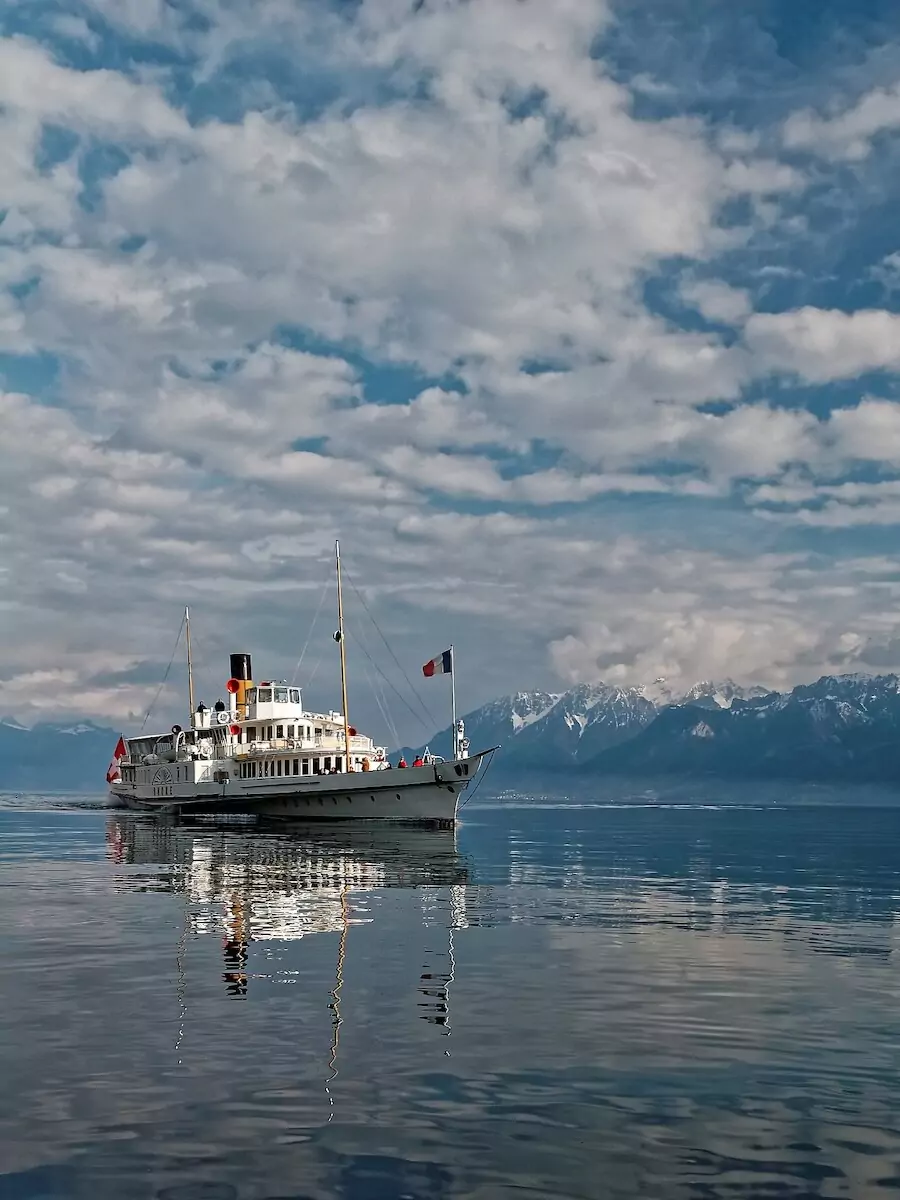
<point>584,1001</point>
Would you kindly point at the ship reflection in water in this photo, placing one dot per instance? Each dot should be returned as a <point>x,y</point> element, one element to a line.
<point>252,885</point>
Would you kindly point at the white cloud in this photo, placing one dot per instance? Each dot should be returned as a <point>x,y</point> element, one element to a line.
<point>33,84</point>
<point>717,301</point>
<point>870,431</point>
<point>824,344</point>
<point>846,135</point>
<point>482,203</point>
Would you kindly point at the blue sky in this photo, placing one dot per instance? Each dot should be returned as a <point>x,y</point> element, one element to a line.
<point>576,322</point>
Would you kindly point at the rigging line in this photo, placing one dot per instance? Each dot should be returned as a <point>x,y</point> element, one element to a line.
<point>481,778</point>
<point>412,686</point>
<point>312,673</point>
<point>381,708</point>
<point>387,712</point>
<point>384,715</point>
<point>311,628</point>
<point>165,677</point>
<point>399,695</point>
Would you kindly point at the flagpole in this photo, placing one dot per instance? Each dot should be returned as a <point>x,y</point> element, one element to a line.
<point>453,701</point>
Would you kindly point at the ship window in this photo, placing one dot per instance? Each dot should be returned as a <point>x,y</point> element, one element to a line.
<point>305,769</point>
<point>279,731</point>
<point>295,695</point>
<point>251,733</point>
<point>327,763</point>
<point>265,695</point>
<point>339,763</point>
<point>279,766</point>
<point>281,695</point>
<point>316,766</point>
<point>251,695</point>
<point>291,729</point>
<point>318,731</point>
<point>269,732</point>
<point>296,766</point>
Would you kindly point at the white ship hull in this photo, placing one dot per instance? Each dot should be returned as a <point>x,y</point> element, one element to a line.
<point>416,794</point>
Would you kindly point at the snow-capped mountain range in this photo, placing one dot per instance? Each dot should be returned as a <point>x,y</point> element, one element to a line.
<point>840,727</point>
<point>543,730</point>
<point>68,757</point>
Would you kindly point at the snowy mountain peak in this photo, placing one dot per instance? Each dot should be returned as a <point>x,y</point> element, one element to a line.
<point>12,723</point>
<point>722,694</point>
<point>710,693</point>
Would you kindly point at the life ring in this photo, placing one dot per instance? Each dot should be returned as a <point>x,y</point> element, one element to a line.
<point>222,718</point>
<point>176,729</point>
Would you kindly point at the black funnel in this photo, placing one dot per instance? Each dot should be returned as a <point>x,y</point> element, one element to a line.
<point>240,666</point>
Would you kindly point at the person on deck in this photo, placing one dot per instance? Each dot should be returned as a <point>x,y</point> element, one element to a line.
<point>402,762</point>
<point>418,761</point>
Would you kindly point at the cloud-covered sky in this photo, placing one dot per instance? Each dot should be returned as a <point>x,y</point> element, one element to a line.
<point>577,322</point>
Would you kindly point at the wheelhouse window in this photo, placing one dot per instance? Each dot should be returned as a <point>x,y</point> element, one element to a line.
<point>265,696</point>
<point>295,695</point>
<point>281,695</point>
<point>251,695</point>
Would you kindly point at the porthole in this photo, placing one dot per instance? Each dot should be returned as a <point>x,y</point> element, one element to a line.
<point>398,795</point>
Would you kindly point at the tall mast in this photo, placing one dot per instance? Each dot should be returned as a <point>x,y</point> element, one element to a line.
<point>340,641</point>
<point>190,664</point>
<point>453,702</point>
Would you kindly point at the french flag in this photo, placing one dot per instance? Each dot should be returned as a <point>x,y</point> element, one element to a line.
<point>442,665</point>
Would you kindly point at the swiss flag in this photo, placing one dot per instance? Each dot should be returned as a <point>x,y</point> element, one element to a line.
<point>119,753</point>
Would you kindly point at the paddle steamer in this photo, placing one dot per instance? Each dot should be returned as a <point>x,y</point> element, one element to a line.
<point>263,754</point>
